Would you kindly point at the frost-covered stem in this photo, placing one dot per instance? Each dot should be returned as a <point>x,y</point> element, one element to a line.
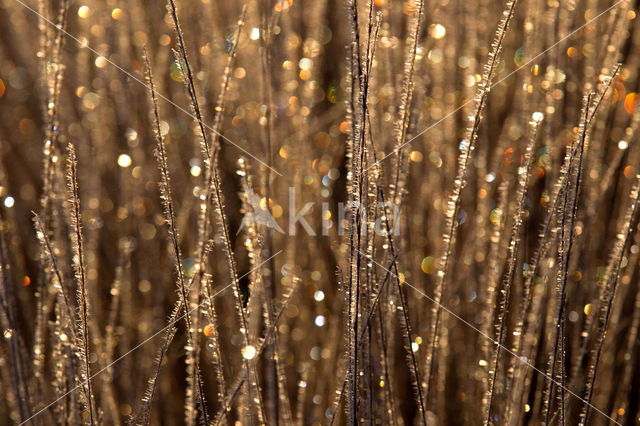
<point>522,330</point>
<point>185,67</point>
<point>53,74</point>
<point>512,254</point>
<point>405,321</point>
<point>47,249</point>
<point>359,87</point>
<point>77,245</point>
<point>18,366</point>
<point>453,205</point>
<point>216,353</point>
<point>630,356</point>
<point>241,377</point>
<point>570,195</point>
<point>612,274</point>
<point>169,211</point>
<point>214,193</point>
<point>275,382</point>
<point>342,386</point>
<point>110,340</point>
<point>491,287</point>
<point>402,124</point>
<point>204,216</point>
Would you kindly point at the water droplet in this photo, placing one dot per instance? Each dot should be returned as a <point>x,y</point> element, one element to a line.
<point>124,160</point>
<point>248,352</point>
<point>537,116</point>
<point>208,330</point>
<point>320,320</point>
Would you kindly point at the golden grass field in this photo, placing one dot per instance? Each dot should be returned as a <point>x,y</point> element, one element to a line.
<point>393,212</point>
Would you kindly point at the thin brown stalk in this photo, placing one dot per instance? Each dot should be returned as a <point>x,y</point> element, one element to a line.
<point>513,247</point>
<point>77,245</point>
<point>169,211</point>
<point>570,194</point>
<point>612,275</point>
<point>214,193</point>
<point>241,378</point>
<point>453,204</point>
